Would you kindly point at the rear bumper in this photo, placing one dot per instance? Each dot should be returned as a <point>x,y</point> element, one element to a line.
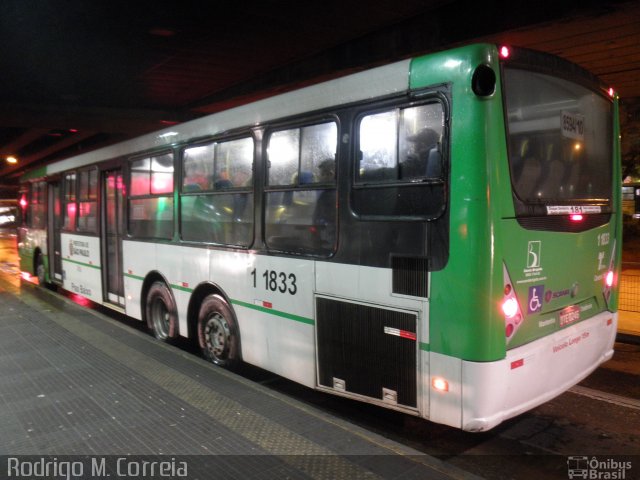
<point>534,373</point>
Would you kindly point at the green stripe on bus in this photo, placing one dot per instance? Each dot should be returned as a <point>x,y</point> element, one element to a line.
<point>181,288</point>
<point>424,346</point>
<point>135,277</point>
<point>278,313</point>
<point>97,267</point>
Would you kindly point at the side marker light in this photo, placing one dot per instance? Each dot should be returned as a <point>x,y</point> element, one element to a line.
<point>440,384</point>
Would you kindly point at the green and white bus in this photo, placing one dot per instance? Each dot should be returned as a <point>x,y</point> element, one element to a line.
<point>439,236</point>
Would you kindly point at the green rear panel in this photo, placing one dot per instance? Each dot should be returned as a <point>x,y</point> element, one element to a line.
<point>466,320</point>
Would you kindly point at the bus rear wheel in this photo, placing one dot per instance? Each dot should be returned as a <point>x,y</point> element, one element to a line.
<point>162,317</point>
<point>218,332</point>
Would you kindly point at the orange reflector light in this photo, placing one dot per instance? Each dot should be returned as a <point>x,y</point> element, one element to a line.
<point>440,384</point>
<point>576,217</point>
<point>510,307</point>
<point>609,278</point>
<point>505,52</point>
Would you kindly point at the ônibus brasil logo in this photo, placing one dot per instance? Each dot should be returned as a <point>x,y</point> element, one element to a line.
<point>594,468</point>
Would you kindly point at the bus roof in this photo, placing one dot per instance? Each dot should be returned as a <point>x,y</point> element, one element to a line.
<point>380,81</point>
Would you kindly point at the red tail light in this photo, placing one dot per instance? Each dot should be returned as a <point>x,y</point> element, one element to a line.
<point>609,279</point>
<point>510,306</point>
<point>504,51</point>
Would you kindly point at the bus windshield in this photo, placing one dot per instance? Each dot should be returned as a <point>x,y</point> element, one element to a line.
<point>560,139</point>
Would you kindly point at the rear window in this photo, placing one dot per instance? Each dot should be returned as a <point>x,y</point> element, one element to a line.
<point>560,139</point>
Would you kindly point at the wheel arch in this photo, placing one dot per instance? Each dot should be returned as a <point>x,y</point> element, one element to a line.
<point>152,277</point>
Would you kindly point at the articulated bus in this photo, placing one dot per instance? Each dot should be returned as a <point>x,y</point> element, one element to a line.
<point>439,236</point>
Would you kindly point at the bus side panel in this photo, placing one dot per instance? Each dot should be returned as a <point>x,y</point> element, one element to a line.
<point>138,259</point>
<point>184,268</point>
<point>464,314</point>
<point>81,266</point>
<point>371,343</point>
<point>273,300</point>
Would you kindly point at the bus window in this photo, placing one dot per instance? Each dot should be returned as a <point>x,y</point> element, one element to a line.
<point>37,205</point>
<point>301,208</point>
<point>216,203</point>
<point>69,202</point>
<point>88,201</point>
<point>559,140</point>
<point>401,145</point>
<point>197,163</point>
<point>151,199</point>
<point>399,168</point>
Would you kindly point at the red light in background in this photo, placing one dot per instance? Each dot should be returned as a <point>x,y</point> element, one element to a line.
<point>23,201</point>
<point>611,92</point>
<point>80,300</point>
<point>505,52</point>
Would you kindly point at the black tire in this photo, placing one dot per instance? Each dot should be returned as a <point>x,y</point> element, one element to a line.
<point>218,332</point>
<point>41,271</point>
<point>161,312</point>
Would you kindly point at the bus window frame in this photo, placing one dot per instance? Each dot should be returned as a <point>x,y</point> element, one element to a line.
<point>546,64</point>
<point>95,201</point>
<point>300,123</point>
<point>248,189</point>
<point>64,202</point>
<point>441,95</point>
<point>128,197</point>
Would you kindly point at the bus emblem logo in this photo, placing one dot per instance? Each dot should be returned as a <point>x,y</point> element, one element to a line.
<point>533,254</point>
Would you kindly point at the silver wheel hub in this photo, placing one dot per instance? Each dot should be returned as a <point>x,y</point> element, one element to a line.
<point>216,334</point>
<point>161,318</point>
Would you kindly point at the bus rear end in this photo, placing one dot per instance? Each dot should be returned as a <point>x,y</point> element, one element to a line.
<point>558,250</point>
<point>546,281</point>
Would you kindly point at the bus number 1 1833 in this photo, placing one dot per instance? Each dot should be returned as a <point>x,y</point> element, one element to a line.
<point>277,281</point>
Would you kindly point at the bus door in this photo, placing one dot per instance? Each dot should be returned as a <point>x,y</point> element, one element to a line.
<point>54,227</point>
<point>112,236</point>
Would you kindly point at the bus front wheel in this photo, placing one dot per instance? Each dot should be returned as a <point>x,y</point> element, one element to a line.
<point>162,317</point>
<point>217,332</point>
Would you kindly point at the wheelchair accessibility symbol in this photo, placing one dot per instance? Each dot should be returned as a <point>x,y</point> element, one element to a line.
<point>535,298</point>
